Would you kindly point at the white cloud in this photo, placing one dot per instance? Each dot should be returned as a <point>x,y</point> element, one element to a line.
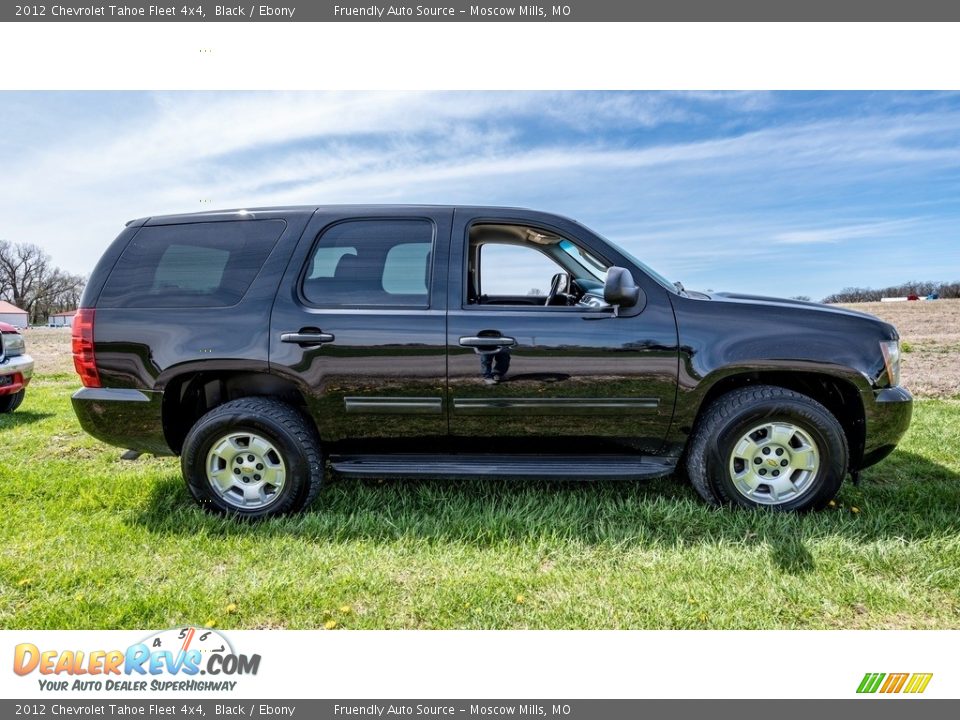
<point>843,232</point>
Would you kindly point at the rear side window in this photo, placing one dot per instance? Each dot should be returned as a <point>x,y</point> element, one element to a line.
<point>371,263</point>
<point>191,265</point>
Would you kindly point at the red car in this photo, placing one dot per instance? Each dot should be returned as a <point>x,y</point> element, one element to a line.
<point>16,368</point>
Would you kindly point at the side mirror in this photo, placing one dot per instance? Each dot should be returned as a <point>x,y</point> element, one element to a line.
<point>620,290</point>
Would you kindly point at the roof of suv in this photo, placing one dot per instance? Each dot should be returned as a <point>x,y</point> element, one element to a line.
<point>298,209</point>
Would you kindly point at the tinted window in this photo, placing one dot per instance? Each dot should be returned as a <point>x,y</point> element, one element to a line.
<point>192,265</point>
<point>326,259</point>
<point>190,268</point>
<point>405,269</point>
<point>371,262</point>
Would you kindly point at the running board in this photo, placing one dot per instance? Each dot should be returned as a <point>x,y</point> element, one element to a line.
<point>565,467</point>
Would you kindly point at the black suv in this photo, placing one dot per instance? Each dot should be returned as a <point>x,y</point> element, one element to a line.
<point>450,341</point>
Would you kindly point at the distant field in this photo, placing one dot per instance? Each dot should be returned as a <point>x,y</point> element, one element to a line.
<point>91,541</point>
<point>931,335</point>
<point>50,348</point>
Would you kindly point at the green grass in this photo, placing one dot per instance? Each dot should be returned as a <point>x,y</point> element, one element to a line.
<point>92,541</point>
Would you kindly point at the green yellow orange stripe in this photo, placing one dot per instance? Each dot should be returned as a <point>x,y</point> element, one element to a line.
<point>893,683</point>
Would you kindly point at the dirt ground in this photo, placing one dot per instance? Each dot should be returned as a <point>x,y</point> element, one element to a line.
<point>50,349</point>
<point>930,333</point>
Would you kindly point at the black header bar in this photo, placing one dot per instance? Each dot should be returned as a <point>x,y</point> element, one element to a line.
<point>485,11</point>
<point>481,709</point>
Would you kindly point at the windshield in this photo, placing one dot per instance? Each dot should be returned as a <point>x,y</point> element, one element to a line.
<point>585,260</point>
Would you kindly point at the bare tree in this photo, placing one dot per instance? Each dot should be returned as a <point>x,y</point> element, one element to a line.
<point>30,281</point>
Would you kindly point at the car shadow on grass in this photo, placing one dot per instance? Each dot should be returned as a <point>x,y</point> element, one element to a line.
<point>907,497</point>
<point>21,417</point>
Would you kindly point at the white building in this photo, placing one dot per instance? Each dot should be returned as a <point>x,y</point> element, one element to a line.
<point>12,315</point>
<point>64,319</point>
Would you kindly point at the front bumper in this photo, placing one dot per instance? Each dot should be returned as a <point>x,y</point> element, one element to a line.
<point>888,412</point>
<point>131,419</point>
<point>15,374</point>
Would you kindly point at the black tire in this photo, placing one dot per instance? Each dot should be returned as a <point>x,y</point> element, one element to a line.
<point>9,403</point>
<point>293,437</point>
<point>710,460</point>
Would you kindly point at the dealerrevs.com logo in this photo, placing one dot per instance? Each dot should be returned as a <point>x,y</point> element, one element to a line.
<point>889,683</point>
<point>168,660</point>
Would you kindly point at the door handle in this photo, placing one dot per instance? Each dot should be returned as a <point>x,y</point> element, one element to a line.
<point>306,337</point>
<point>476,341</point>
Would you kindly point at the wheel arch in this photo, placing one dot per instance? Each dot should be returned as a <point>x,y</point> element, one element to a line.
<point>840,395</point>
<point>189,395</point>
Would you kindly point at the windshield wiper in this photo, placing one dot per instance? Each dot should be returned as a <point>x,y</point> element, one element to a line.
<point>680,289</point>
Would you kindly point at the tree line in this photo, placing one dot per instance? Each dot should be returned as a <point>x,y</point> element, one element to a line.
<point>921,289</point>
<point>30,280</point>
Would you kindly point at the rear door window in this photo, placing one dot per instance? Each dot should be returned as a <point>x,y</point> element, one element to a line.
<point>191,265</point>
<point>381,263</point>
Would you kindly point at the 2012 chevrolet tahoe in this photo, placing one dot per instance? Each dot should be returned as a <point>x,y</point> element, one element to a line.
<point>427,341</point>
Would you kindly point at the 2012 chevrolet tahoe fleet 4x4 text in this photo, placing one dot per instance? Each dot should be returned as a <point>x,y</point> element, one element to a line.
<point>448,341</point>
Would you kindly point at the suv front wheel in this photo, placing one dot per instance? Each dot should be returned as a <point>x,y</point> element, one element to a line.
<point>253,457</point>
<point>9,403</point>
<point>766,446</point>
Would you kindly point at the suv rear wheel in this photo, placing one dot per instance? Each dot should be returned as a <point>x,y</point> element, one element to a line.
<point>766,446</point>
<point>253,457</point>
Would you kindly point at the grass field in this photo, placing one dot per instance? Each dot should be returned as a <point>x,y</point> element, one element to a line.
<point>92,541</point>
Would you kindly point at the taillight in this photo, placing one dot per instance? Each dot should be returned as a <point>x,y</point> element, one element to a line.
<point>83,357</point>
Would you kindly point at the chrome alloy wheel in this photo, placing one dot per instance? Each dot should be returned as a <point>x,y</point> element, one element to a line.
<point>246,470</point>
<point>774,463</point>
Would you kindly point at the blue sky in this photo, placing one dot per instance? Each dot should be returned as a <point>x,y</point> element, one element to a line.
<point>791,193</point>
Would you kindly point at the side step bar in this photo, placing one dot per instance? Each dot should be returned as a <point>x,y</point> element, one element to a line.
<point>568,467</point>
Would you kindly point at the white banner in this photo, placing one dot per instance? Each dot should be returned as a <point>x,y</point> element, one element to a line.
<point>462,664</point>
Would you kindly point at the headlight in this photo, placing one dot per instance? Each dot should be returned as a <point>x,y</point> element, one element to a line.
<point>891,359</point>
<point>13,344</point>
